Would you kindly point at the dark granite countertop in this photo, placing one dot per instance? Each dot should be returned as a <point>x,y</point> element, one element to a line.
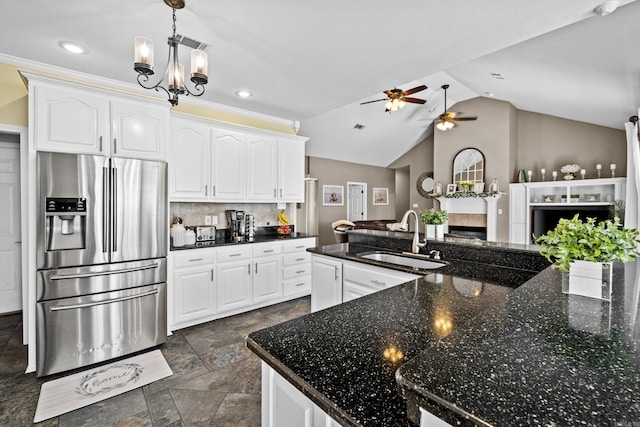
<point>468,349</point>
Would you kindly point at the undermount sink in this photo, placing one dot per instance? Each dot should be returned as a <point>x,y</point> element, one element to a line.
<point>403,260</point>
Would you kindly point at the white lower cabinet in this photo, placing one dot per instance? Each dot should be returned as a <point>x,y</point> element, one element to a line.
<point>326,282</point>
<point>361,279</point>
<point>210,283</point>
<point>193,286</point>
<point>283,405</point>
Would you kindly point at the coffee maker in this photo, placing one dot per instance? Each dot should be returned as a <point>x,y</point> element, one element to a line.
<point>236,226</point>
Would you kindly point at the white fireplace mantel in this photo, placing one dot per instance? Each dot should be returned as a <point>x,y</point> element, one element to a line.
<point>485,205</point>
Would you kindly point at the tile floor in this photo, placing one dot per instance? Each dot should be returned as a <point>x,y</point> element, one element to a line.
<point>215,381</point>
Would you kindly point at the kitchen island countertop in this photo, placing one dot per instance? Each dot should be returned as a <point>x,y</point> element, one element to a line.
<point>469,351</point>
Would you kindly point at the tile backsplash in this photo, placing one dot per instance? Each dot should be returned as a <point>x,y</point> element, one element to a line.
<point>266,214</point>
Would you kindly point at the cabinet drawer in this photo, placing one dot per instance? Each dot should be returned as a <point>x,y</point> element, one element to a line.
<point>376,276</point>
<point>296,271</point>
<point>233,253</point>
<point>296,258</point>
<point>194,257</point>
<point>299,244</point>
<point>266,249</point>
<point>297,285</point>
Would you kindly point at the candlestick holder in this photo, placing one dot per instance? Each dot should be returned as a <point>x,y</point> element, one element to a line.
<point>583,173</point>
<point>554,175</point>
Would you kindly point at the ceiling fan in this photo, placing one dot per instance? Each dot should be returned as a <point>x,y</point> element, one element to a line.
<point>396,98</point>
<point>446,119</point>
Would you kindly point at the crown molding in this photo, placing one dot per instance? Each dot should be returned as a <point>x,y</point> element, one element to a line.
<point>78,76</point>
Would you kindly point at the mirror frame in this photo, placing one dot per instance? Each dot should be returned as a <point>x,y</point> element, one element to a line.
<point>478,174</point>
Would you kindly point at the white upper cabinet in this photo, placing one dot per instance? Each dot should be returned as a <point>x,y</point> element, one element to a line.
<point>139,130</point>
<point>229,165</point>
<point>262,179</point>
<point>290,171</point>
<point>69,120</point>
<point>74,119</point>
<point>233,165</point>
<point>190,160</point>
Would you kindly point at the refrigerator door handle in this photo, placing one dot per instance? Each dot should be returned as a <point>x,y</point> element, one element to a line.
<point>105,209</point>
<point>104,273</point>
<point>114,209</point>
<point>93,304</point>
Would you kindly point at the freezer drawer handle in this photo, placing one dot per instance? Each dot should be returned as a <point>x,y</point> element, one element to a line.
<point>93,304</point>
<point>104,273</point>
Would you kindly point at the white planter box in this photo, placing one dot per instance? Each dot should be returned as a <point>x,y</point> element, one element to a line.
<point>589,279</point>
<point>430,231</point>
<point>440,231</point>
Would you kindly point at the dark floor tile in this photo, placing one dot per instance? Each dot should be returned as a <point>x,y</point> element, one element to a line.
<point>141,419</point>
<point>238,410</point>
<point>18,385</point>
<point>206,338</point>
<point>196,407</point>
<point>221,380</point>
<point>13,357</point>
<point>248,322</point>
<point>20,412</point>
<point>225,356</point>
<point>107,412</point>
<point>162,409</point>
<point>248,375</point>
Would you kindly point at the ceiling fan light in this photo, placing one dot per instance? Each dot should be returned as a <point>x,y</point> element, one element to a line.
<point>444,125</point>
<point>388,106</point>
<point>401,104</point>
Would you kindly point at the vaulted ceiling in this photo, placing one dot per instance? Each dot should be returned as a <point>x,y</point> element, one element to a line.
<point>315,62</point>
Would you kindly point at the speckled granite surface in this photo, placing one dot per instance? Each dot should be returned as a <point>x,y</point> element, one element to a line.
<point>473,351</point>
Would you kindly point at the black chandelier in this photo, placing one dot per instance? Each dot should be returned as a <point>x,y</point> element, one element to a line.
<point>174,71</point>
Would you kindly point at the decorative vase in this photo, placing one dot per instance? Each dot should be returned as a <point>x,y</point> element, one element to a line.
<point>569,176</point>
<point>430,231</point>
<point>589,279</point>
<point>440,231</point>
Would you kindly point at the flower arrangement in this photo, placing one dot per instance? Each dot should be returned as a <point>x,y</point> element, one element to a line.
<point>570,169</point>
<point>467,186</point>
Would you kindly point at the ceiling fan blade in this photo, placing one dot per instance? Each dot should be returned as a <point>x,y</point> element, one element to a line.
<point>376,100</point>
<point>395,92</point>
<point>412,100</point>
<point>463,119</point>
<point>414,90</point>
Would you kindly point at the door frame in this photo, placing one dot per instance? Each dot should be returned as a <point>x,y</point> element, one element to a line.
<point>364,198</point>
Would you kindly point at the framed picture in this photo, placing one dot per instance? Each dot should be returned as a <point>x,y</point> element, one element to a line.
<point>451,188</point>
<point>478,187</point>
<point>549,198</point>
<point>592,197</point>
<point>332,195</point>
<point>380,196</point>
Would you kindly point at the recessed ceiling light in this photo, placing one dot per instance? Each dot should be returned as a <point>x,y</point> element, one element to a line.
<point>606,8</point>
<point>72,47</point>
<point>489,94</point>
<point>242,93</point>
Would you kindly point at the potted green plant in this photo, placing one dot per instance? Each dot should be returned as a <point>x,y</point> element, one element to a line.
<point>586,250</point>
<point>434,221</point>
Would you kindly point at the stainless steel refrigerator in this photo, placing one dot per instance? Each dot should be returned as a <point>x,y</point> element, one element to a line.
<point>101,259</point>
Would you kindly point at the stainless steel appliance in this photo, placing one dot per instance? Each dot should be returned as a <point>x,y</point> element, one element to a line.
<point>101,258</point>
<point>236,226</point>
<point>205,232</point>
<point>250,228</point>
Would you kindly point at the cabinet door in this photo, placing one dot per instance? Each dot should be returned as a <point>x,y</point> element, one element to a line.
<point>71,121</point>
<point>262,180</point>
<point>193,293</point>
<point>326,283</point>
<point>518,213</point>
<point>229,165</point>
<point>139,130</point>
<point>267,279</point>
<point>290,171</point>
<point>189,151</point>
<point>352,290</point>
<point>233,285</point>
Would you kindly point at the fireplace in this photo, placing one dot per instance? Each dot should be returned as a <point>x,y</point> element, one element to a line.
<point>545,218</point>
<point>468,231</point>
<point>473,216</point>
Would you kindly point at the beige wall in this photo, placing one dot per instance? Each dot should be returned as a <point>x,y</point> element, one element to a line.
<point>550,142</point>
<point>403,201</point>
<point>419,160</point>
<point>334,172</point>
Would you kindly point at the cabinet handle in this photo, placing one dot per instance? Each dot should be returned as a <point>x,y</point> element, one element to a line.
<point>212,275</point>
<point>213,191</point>
<point>281,192</point>
<point>267,251</point>
<point>195,259</point>
<point>299,259</point>
<point>336,272</point>
<point>256,268</point>
<point>378,282</point>
<point>249,268</point>
<point>101,143</point>
<point>299,284</point>
<point>235,255</point>
<point>300,271</point>
<point>274,192</point>
<point>299,247</point>
<point>206,189</point>
<point>115,147</point>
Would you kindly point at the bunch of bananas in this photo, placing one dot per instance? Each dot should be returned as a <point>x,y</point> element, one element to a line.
<point>282,218</point>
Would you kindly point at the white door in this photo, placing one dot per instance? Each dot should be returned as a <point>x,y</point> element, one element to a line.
<point>10,245</point>
<point>357,201</point>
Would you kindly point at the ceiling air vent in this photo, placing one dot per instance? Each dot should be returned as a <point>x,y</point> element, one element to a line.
<point>193,44</point>
<point>497,76</point>
<point>358,126</point>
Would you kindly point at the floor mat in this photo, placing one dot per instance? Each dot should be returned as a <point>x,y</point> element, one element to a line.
<point>75,391</point>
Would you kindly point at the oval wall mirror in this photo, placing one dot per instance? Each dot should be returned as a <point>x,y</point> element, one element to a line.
<point>468,165</point>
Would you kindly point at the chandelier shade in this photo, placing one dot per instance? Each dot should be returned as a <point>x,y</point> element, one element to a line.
<point>172,81</point>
